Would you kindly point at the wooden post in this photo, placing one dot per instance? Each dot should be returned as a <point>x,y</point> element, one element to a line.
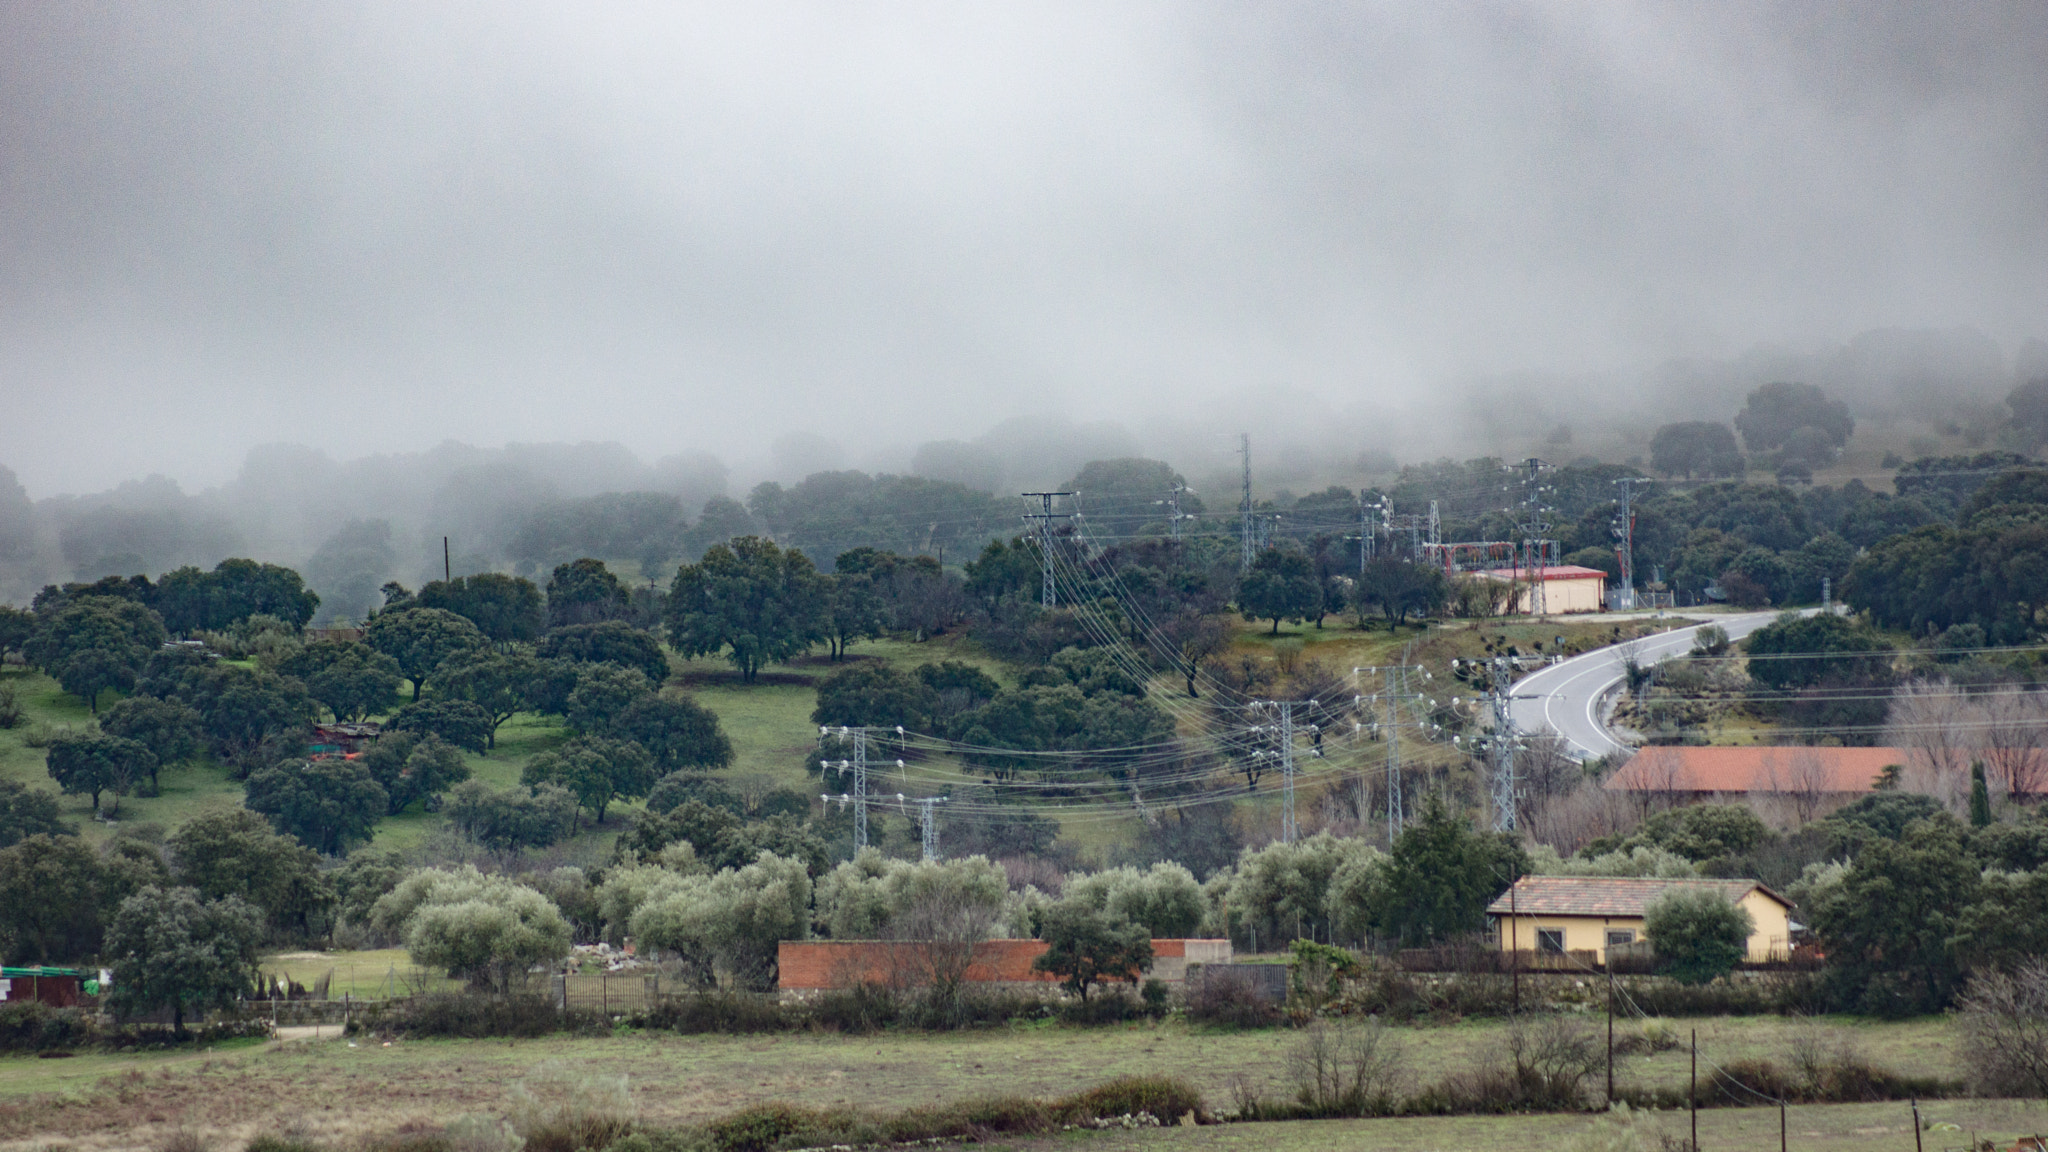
<point>1693,1093</point>
<point>604,998</point>
<point>1515,947</point>
<point>1916,1125</point>
<point>1781,1124</point>
<point>1610,1028</point>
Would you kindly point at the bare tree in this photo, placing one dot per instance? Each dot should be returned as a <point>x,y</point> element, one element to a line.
<point>1568,821</point>
<point>1933,722</point>
<point>1544,772</point>
<point>2013,734</point>
<point>1797,781</point>
<point>937,934</point>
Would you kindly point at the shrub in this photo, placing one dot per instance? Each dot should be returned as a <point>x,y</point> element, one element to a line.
<point>1229,1000</point>
<point>1346,1070</point>
<point>470,1015</point>
<point>2004,1018</point>
<point>32,1027</point>
<point>556,1109</point>
<point>1109,1008</point>
<point>1698,933</point>
<point>721,1011</point>
<point>1166,1097</point>
<point>861,1008</point>
<point>761,1128</point>
<point>286,1142</point>
<point>1554,1057</point>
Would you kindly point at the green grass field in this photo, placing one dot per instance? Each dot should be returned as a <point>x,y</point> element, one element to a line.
<point>339,1091</point>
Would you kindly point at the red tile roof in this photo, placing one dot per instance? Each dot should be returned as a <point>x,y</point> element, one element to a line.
<point>1754,769</point>
<point>1553,572</point>
<point>1606,895</point>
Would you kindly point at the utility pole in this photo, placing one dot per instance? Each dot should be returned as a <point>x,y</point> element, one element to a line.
<point>1393,694</point>
<point>1625,534</point>
<point>1244,547</point>
<point>447,570</point>
<point>1503,747</point>
<point>1044,519</point>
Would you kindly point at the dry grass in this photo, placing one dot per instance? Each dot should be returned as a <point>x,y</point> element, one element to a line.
<point>1811,1128</point>
<point>131,1102</point>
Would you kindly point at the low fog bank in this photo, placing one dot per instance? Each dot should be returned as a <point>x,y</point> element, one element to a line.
<point>351,522</point>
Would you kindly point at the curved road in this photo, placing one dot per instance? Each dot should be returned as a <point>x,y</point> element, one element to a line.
<point>1565,698</point>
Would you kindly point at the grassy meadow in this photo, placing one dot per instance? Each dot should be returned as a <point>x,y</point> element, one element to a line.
<point>338,1091</point>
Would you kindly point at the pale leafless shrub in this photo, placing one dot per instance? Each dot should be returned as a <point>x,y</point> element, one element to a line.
<point>1553,1059</point>
<point>2013,734</point>
<point>2004,1022</point>
<point>1287,655</point>
<point>1545,772</point>
<point>1817,1052</point>
<point>1569,821</point>
<point>1932,721</point>
<point>1796,782</point>
<point>1347,1069</point>
<point>938,932</point>
<point>184,1140</point>
<point>482,1134</point>
<point>1034,872</point>
<point>557,1108</point>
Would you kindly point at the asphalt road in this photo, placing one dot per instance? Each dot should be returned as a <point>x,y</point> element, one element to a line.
<point>1565,698</point>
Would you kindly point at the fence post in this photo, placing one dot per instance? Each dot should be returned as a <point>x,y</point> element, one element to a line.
<point>560,988</point>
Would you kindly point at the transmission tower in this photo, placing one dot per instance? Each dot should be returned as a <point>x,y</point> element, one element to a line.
<point>1625,535</point>
<point>1364,532</point>
<point>1503,746</point>
<point>1285,732</point>
<point>1244,506</point>
<point>859,767</point>
<point>1044,519</point>
<point>926,823</point>
<point>1535,529</point>
<point>1173,513</point>
<point>1394,693</point>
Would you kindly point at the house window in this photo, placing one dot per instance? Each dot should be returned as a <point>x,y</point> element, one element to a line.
<point>1550,940</point>
<point>1620,936</point>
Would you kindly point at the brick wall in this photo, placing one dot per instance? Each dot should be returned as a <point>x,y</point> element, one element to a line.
<point>817,964</point>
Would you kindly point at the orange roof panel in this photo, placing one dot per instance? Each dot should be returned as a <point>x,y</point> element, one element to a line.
<point>1797,768</point>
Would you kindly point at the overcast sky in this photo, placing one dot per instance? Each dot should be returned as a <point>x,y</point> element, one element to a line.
<point>375,226</point>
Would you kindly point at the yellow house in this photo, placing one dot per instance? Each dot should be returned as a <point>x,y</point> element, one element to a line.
<point>1559,914</point>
